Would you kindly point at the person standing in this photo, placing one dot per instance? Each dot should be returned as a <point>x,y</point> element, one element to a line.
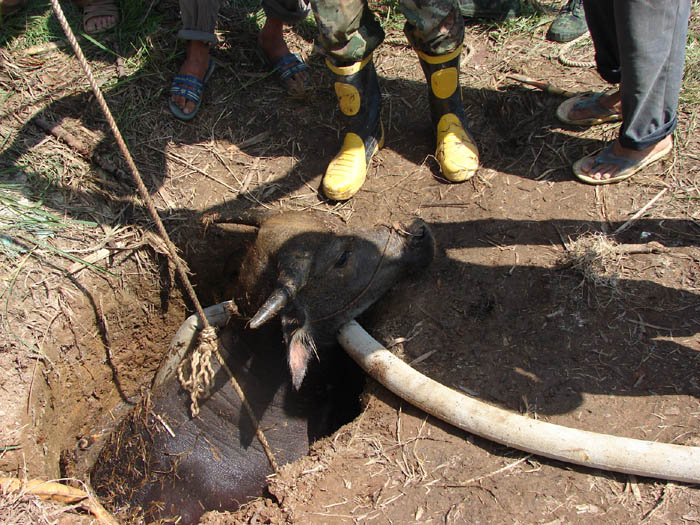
<point>348,35</point>
<point>569,24</point>
<point>198,24</point>
<point>639,45</point>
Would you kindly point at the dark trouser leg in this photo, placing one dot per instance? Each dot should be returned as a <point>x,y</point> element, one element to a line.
<point>289,11</point>
<point>642,47</point>
<point>199,20</point>
<point>600,18</point>
<point>652,38</point>
<point>433,27</point>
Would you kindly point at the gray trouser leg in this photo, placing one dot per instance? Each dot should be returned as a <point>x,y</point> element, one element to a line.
<point>641,45</point>
<point>199,16</point>
<point>199,20</point>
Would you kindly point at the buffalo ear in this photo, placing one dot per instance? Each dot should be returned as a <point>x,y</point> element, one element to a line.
<point>300,348</point>
<point>299,352</point>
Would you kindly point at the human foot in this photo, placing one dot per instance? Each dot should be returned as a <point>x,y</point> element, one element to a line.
<point>196,64</point>
<point>591,108</point>
<point>293,73</point>
<point>99,15</point>
<point>616,163</point>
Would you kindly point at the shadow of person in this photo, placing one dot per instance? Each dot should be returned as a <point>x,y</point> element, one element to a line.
<point>246,145</point>
<point>137,99</point>
<point>541,339</point>
<point>508,127</point>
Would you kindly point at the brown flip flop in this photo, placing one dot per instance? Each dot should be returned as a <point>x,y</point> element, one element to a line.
<point>626,167</point>
<point>589,101</point>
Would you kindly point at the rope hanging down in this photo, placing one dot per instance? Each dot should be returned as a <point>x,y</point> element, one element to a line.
<point>201,372</point>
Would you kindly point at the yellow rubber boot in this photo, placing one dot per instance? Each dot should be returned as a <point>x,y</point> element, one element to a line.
<point>357,89</point>
<point>456,151</point>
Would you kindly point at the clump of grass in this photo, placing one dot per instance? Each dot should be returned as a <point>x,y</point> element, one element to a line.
<point>30,25</point>
<point>37,24</point>
<point>390,15</point>
<point>25,226</point>
<point>597,257</point>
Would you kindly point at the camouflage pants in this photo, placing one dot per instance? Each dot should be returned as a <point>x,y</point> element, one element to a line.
<point>199,16</point>
<point>349,31</point>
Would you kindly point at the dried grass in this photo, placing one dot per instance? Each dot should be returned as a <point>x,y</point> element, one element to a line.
<point>20,509</point>
<point>34,502</point>
<point>597,257</point>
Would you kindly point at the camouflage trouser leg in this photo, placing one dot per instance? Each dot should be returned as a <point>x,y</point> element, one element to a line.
<point>349,31</point>
<point>434,27</point>
<point>199,16</point>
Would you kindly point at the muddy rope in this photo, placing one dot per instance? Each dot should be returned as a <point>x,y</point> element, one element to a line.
<point>202,372</point>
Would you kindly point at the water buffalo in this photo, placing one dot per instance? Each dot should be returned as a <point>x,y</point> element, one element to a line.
<point>311,274</point>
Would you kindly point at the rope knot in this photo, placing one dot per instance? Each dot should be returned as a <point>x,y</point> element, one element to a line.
<point>196,374</point>
<point>208,336</point>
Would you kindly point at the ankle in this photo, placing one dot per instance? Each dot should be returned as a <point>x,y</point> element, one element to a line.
<point>197,52</point>
<point>622,151</point>
<point>613,101</point>
<point>271,33</point>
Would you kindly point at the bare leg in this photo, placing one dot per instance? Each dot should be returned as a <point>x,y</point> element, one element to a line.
<point>271,41</point>
<point>106,14</point>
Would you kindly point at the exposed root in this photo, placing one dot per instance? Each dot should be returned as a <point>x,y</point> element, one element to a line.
<point>52,490</point>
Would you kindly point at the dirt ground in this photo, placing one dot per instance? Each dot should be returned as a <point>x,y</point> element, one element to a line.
<point>510,311</point>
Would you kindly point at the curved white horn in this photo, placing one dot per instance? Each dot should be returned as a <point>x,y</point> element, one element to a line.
<point>632,456</point>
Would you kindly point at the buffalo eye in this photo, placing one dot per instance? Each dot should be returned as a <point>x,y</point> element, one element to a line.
<point>343,259</point>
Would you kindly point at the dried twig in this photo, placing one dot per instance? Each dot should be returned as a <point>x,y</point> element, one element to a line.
<point>640,212</point>
<point>544,86</point>
<point>45,48</point>
<point>489,475</point>
<point>80,147</point>
<point>187,164</point>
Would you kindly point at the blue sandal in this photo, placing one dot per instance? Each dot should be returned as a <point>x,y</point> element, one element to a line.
<point>288,66</point>
<point>191,88</point>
